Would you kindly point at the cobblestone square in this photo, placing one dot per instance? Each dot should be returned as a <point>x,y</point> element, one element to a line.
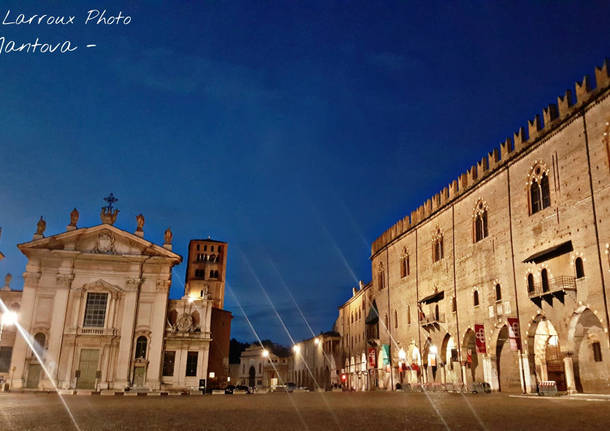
<point>304,411</point>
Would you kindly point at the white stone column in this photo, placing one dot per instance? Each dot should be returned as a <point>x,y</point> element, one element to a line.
<point>57,328</point>
<point>26,314</point>
<point>124,358</point>
<point>568,364</point>
<point>155,349</point>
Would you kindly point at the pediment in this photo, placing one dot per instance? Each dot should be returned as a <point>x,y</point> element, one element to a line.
<point>100,240</point>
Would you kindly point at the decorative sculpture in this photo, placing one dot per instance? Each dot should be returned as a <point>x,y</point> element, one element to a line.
<point>107,215</point>
<point>74,215</point>
<point>168,236</point>
<point>140,220</point>
<point>41,226</point>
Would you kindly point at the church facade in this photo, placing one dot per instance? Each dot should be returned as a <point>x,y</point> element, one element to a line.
<point>502,277</point>
<point>96,313</point>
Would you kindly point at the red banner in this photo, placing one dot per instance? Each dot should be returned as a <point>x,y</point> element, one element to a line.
<point>514,334</point>
<point>372,357</point>
<point>479,336</point>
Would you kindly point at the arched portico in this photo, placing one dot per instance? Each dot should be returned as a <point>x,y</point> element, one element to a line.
<point>544,352</point>
<point>472,360</point>
<point>507,362</point>
<point>589,353</point>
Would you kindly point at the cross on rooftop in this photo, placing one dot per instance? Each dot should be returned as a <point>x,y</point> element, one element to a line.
<point>110,199</point>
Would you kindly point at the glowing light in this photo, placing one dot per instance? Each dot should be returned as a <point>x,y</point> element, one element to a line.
<point>433,350</point>
<point>316,341</point>
<point>265,353</point>
<point>553,341</point>
<point>212,374</point>
<point>191,299</point>
<point>229,379</point>
<point>9,318</point>
<point>296,348</point>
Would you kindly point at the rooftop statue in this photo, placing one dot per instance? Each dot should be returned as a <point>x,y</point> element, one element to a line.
<point>140,220</point>
<point>41,226</point>
<point>74,217</point>
<point>168,236</point>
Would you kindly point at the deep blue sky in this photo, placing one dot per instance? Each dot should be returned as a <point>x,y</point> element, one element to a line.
<point>296,132</point>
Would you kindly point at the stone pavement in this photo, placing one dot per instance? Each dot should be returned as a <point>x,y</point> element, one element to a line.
<point>302,411</point>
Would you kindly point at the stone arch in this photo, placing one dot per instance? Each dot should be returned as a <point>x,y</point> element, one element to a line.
<point>450,359</point>
<point>589,351</point>
<point>544,352</point>
<point>473,361</point>
<point>507,362</point>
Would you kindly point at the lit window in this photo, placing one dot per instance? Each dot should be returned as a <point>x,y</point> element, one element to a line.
<point>95,310</point>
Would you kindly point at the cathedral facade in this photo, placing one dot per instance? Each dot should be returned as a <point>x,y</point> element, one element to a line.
<point>96,313</point>
<point>503,276</point>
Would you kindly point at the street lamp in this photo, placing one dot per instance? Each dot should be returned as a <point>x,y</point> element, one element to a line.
<point>296,348</point>
<point>316,341</point>
<point>265,353</point>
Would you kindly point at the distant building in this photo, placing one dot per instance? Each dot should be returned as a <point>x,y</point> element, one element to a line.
<point>263,367</point>
<point>314,362</point>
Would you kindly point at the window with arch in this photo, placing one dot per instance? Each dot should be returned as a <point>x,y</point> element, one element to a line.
<point>498,292</point>
<point>381,277</point>
<point>580,269</point>
<point>475,298</point>
<point>40,343</point>
<point>437,246</point>
<point>530,282</point>
<point>545,280</point>
<point>453,304</point>
<point>404,264</point>
<point>480,221</point>
<point>539,190</point>
<point>141,346</point>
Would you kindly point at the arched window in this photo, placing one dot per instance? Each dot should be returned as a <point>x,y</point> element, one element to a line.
<point>141,344</point>
<point>480,221</point>
<point>498,292</point>
<point>475,298</point>
<point>580,269</point>
<point>539,191</point>
<point>453,304</point>
<point>530,283</point>
<point>437,246</point>
<point>172,317</point>
<point>39,343</point>
<point>545,280</point>
<point>381,277</point>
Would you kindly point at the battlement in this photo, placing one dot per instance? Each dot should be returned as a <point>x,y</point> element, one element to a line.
<point>552,117</point>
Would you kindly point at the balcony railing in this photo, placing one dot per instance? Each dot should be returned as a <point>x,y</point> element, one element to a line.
<point>556,286</point>
<point>432,319</point>
<point>97,331</point>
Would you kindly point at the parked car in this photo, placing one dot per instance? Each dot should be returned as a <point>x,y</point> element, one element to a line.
<point>290,387</point>
<point>229,390</point>
<point>242,388</point>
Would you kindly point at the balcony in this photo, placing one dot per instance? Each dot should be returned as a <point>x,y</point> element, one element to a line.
<point>557,287</point>
<point>432,321</point>
<point>98,331</point>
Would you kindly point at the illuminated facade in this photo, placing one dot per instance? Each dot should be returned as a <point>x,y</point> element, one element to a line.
<point>503,276</point>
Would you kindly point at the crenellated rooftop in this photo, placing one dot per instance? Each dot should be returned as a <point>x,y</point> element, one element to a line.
<point>552,116</point>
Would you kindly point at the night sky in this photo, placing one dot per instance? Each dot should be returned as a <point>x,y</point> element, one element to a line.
<point>295,131</point>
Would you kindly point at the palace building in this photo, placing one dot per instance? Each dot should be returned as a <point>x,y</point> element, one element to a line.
<point>95,303</point>
<point>503,276</point>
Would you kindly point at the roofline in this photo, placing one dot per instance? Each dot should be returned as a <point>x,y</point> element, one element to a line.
<point>208,239</point>
<point>84,230</point>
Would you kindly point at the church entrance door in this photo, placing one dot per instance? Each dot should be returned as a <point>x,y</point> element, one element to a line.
<point>88,368</point>
<point>33,376</point>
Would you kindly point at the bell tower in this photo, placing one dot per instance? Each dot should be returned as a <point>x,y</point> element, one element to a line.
<point>206,270</point>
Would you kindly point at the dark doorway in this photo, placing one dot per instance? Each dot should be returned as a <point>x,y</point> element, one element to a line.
<point>252,377</point>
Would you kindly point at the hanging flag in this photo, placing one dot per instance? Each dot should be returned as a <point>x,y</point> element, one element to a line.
<point>372,357</point>
<point>514,334</point>
<point>386,354</point>
<point>479,336</point>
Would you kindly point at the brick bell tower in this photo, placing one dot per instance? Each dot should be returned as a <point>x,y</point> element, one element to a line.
<point>205,274</point>
<point>206,270</point>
